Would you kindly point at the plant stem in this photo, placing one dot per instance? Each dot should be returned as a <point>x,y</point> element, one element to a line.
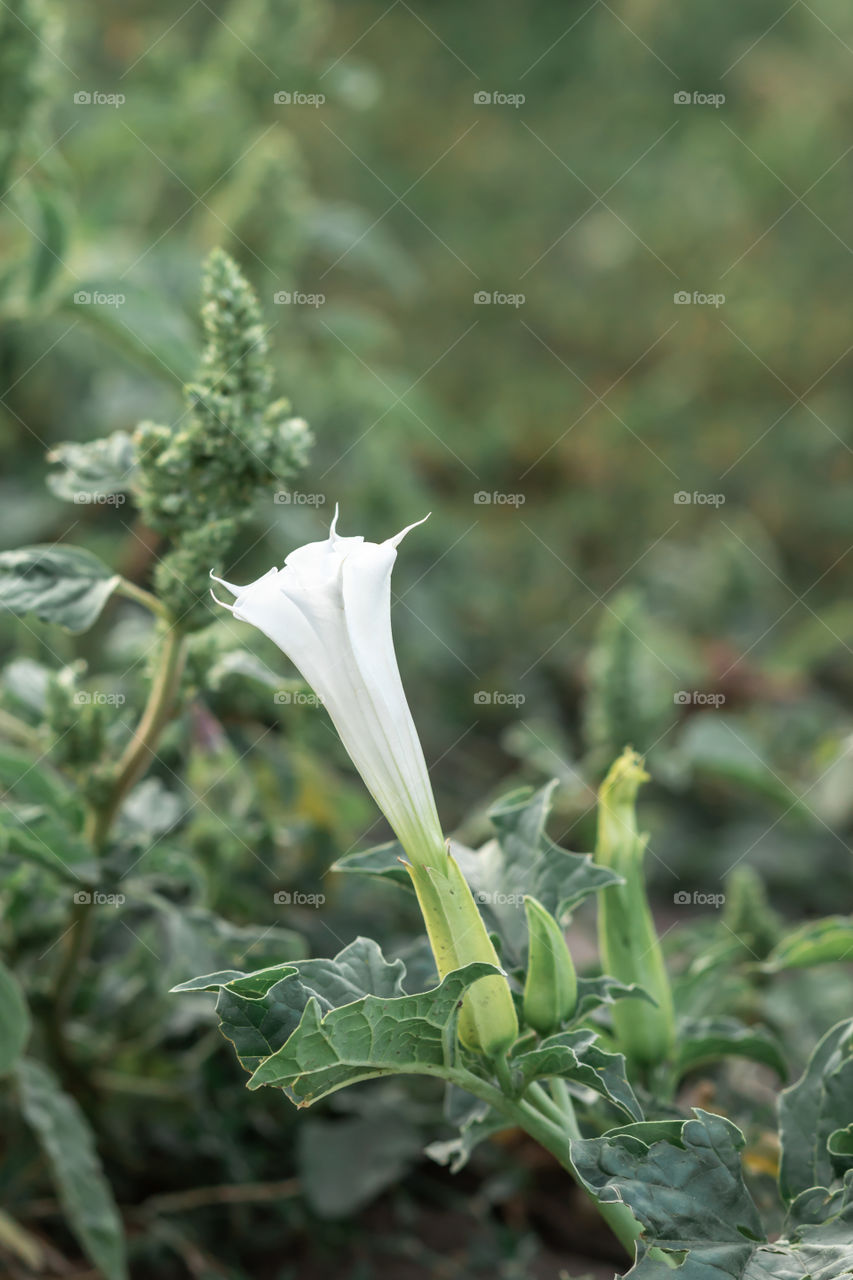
<point>551,1127</point>
<point>616,1214</point>
<point>100,818</point>
<point>132,592</point>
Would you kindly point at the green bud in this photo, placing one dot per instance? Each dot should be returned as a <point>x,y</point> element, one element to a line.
<point>487,1020</point>
<point>629,945</point>
<point>551,986</point>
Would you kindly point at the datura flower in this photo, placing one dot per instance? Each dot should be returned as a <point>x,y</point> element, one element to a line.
<point>329,610</point>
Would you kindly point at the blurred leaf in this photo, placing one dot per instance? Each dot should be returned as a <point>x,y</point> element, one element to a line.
<point>40,835</point>
<point>97,468</point>
<point>50,240</point>
<point>480,1125</point>
<point>84,1192</point>
<point>811,1110</point>
<point>27,683</point>
<point>14,1021</point>
<point>344,1164</point>
<point>719,747</point>
<point>60,584</point>
<point>703,1040</point>
<point>816,942</point>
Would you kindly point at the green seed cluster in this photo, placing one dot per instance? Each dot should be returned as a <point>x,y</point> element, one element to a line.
<point>199,482</point>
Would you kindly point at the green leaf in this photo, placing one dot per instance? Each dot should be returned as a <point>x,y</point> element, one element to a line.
<point>50,241</point>
<point>373,1037</point>
<point>32,782</point>
<point>693,1205</point>
<point>522,860</point>
<point>480,1125</point>
<point>97,468</point>
<point>259,1011</point>
<point>603,990</point>
<point>84,1192</point>
<point>384,861</point>
<point>816,942</point>
<point>703,1040</point>
<point>38,835</point>
<point>345,1163</point>
<point>14,1021</point>
<point>60,584</point>
<point>811,1111</point>
<point>574,1056</point>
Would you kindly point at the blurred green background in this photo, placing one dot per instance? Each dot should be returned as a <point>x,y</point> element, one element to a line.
<point>637,452</point>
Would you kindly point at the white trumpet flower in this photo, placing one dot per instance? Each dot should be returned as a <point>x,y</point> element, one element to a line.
<point>329,610</point>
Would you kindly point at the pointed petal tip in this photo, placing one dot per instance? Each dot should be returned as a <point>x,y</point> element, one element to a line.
<point>333,528</point>
<point>229,607</point>
<point>398,537</point>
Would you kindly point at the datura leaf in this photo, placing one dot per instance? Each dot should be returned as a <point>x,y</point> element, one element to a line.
<point>689,1196</point>
<point>812,1110</point>
<point>371,1037</point>
<point>60,584</point>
